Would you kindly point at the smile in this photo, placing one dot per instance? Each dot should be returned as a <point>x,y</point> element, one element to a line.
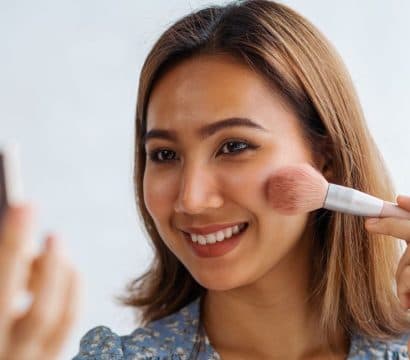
<point>217,236</point>
<point>216,248</point>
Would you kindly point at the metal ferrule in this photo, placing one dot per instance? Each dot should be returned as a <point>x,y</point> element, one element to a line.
<point>351,201</point>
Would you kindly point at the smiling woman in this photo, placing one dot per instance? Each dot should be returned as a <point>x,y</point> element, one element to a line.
<point>228,95</point>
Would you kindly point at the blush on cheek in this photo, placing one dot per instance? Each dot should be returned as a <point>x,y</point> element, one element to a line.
<point>249,184</point>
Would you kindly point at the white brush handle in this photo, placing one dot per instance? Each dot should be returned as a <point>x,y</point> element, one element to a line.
<point>355,202</point>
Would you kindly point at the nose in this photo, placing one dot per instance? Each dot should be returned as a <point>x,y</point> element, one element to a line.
<point>198,191</point>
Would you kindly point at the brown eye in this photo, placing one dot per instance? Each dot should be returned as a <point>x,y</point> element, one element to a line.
<point>231,147</point>
<point>162,155</point>
<point>234,147</point>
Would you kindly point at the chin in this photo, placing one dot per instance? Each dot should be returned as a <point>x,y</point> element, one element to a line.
<point>214,280</point>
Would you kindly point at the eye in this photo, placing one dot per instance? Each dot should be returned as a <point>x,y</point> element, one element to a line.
<point>235,146</point>
<point>155,155</point>
<point>231,147</point>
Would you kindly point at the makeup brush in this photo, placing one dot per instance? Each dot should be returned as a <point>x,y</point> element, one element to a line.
<point>301,188</point>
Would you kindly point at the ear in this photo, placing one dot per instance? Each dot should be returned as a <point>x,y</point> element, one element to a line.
<point>327,171</point>
<point>325,163</point>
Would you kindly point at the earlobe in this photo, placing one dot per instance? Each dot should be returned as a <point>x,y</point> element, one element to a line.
<point>326,168</point>
<point>327,172</point>
<point>326,164</point>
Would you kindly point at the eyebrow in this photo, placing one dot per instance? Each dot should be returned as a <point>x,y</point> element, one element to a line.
<point>204,131</point>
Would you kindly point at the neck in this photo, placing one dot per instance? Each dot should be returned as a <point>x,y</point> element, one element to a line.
<point>272,315</point>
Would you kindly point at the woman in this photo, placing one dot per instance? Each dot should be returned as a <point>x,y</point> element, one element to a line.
<point>227,95</point>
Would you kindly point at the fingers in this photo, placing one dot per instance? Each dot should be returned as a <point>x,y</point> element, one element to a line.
<point>71,308</point>
<point>32,331</point>
<point>404,261</point>
<point>15,257</point>
<point>403,286</point>
<point>39,332</point>
<point>399,228</point>
<point>404,202</point>
<point>403,269</point>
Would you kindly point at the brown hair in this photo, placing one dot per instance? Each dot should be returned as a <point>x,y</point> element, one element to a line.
<point>354,271</point>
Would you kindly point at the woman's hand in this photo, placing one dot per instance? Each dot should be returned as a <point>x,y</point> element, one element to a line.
<point>399,228</point>
<point>40,331</point>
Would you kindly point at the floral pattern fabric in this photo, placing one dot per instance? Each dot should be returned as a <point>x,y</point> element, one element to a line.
<point>173,338</point>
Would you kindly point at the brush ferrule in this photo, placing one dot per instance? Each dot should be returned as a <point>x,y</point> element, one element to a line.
<point>351,201</point>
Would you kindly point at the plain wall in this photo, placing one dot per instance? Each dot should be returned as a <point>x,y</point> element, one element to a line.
<point>68,81</point>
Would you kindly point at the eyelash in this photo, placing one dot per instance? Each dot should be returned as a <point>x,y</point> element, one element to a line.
<point>153,154</point>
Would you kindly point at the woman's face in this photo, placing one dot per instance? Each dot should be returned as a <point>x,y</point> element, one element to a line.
<point>220,176</point>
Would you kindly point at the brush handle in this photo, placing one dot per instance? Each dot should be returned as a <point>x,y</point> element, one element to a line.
<point>350,201</point>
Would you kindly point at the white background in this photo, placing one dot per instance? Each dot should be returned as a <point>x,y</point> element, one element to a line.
<point>68,80</point>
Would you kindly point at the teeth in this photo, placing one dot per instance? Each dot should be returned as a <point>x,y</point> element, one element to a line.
<point>228,232</point>
<point>217,236</point>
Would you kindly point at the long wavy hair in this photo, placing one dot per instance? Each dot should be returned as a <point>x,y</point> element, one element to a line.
<point>353,281</point>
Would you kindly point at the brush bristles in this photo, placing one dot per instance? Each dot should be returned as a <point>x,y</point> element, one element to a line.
<point>297,189</point>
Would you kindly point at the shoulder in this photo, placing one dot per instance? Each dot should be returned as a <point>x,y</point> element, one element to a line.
<point>171,337</point>
<point>363,348</point>
<point>144,343</point>
<point>100,341</point>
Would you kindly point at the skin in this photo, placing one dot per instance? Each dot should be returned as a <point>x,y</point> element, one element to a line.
<point>259,289</point>
<point>263,294</point>
<point>41,331</point>
<point>398,228</point>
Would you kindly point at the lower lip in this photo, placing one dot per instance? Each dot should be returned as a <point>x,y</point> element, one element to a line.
<point>217,249</point>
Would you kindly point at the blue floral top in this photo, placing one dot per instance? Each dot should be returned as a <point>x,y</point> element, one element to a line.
<point>173,338</point>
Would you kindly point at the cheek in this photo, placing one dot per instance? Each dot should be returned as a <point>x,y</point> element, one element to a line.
<point>247,186</point>
<point>158,199</point>
<point>252,176</point>
<point>283,232</point>
<point>246,182</point>
<point>158,195</point>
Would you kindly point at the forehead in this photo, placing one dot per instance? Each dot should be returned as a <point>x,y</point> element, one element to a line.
<point>201,90</point>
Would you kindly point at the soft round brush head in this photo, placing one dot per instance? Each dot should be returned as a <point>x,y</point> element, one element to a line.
<point>294,189</point>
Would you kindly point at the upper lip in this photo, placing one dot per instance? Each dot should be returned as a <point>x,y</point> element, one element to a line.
<point>204,230</point>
